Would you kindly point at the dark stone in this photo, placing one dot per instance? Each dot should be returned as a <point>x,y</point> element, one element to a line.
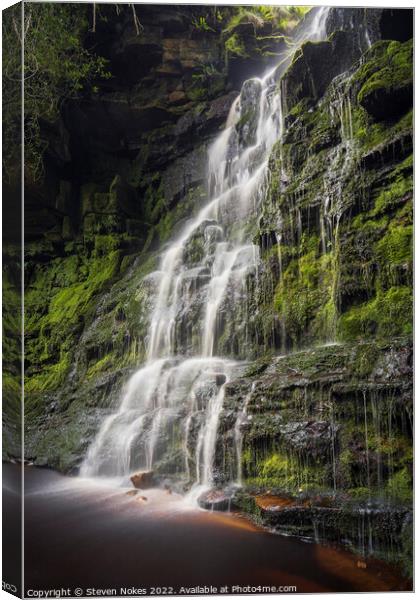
<point>220,379</point>
<point>388,102</point>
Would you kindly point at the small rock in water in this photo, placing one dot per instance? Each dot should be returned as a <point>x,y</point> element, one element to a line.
<point>131,493</point>
<point>220,379</point>
<point>142,499</point>
<point>215,500</point>
<point>143,480</point>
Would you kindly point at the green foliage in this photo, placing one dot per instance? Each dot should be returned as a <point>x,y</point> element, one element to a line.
<point>57,67</point>
<point>282,18</point>
<point>400,485</point>
<point>201,24</point>
<point>274,466</point>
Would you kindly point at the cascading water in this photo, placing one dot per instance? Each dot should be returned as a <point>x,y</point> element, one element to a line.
<point>169,413</point>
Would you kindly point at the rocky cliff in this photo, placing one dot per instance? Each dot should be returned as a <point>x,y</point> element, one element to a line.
<point>327,425</point>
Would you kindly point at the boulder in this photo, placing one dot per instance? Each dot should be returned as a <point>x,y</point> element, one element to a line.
<point>249,106</point>
<point>143,480</point>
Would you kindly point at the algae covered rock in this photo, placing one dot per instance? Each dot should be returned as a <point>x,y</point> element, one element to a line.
<point>387,80</point>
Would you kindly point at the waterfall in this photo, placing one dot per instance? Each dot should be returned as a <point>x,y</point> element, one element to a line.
<point>170,409</point>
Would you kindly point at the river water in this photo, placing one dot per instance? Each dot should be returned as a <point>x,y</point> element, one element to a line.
<point>84,533</point>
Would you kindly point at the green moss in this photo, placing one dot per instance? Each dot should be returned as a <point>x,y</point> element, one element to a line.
<point>284,473</point>
<point>61,299</point>
<point>395,192</point>
<point>305,295</point>
<point>50,378</point>
<point>400,485</point>
<point>235,46</point>
<point>363,223</point>
<point>364,361</point>
<point>360,493</point>
<point>170,218</point>
<point>275,466</point>
<point>101,365</point>
<point>388,314</point>
<point>371,135</point>
<point>396,246</point>
<point>391,67</point>
<point>11,321</point>
<point>197,92</point>
<point>69,303</point>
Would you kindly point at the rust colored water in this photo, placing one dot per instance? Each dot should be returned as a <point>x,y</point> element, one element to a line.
<point>82,534</point>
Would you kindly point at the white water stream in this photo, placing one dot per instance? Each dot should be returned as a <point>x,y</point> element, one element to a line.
<point>173,403</point>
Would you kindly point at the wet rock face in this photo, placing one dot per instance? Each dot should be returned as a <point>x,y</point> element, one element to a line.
<point>367,531</point>
<point>311,437</point>
<point>338,183</point>
<point>387,87</point>
<point>371,25</point>
<point>319,420</point>
<point>316,65</point>
<point>167,95</point>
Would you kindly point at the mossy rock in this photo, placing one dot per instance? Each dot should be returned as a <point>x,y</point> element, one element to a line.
<point>387,80</point>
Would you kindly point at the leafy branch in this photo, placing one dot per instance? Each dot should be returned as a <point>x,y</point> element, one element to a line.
<point>56,68</point>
